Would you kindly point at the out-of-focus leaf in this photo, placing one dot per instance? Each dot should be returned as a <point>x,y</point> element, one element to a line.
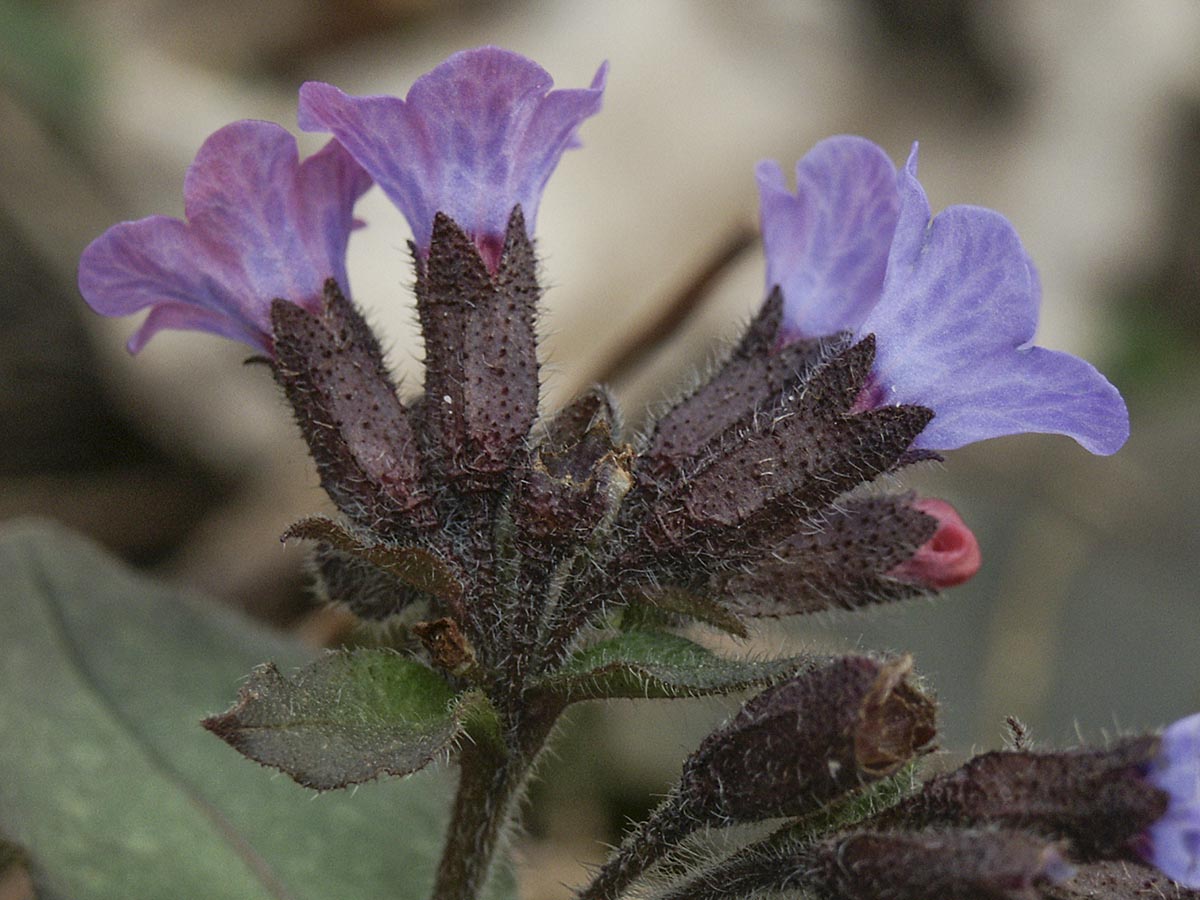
<point>110,783</point>
<point>658,664</point>
<point>46,60</point>
<point>346,718</point>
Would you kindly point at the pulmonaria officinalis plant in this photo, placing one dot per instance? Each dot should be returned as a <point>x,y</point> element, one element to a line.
<point>526,563</point>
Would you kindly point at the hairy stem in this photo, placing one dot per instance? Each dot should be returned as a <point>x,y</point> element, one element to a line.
<point>654,839</point>
<point>485,791</point>
<point>492,777</point>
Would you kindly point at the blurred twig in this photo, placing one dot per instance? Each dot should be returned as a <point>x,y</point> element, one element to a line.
<point>634,351</point>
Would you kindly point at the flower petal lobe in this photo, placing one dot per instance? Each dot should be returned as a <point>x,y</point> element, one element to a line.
<point>827,244</point>
<point>954,327</point>
<point>260,225</point>
<point>476,136</point>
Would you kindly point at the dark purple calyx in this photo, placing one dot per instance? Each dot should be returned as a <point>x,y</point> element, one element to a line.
<point>1098,799</point>
<point>331,367</point>
<point>840,560</point>
<point>752,379</point>
<point>938,865</point>
<point>481,368</point>
<point>787,464</point>
<point>807,740</point>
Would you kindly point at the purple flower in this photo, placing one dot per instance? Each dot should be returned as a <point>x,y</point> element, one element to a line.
<point>952,301</point>
<point>1172,844</point>
<point>261,225</point>
<point>475,137</point>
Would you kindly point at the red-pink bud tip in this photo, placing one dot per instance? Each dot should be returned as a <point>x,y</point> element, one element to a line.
<point>948,558</point>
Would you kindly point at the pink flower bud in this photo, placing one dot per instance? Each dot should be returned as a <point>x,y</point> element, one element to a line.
<point>948,558</point>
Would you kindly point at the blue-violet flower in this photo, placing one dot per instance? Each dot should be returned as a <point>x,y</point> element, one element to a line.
<point>1172,844</point>
<point>261,225</point>
<point>475,137</point>
<point>952,301</point>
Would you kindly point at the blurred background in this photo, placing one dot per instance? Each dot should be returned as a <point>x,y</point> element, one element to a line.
<point>1080,121</point>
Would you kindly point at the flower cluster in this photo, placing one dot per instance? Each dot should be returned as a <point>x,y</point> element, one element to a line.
<point>528,563</point>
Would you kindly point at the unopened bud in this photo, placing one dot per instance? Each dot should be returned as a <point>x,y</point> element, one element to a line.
<point>948,558</point>
<point>945,865</point>
<point>448,648</point>
<point>809,739</point>
<point>577,478</point>
<point>1099,799</point>
<point>843,560</point>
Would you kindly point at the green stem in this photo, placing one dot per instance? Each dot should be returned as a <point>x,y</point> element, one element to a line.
<point>485,792</point>
<point>492,777</point>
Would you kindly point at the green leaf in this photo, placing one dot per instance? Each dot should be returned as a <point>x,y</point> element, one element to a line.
<point>117,793</point>
<point>677,601</point>
<point>657,664</point>
<point>415,566</point>
<point>349,717</point>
